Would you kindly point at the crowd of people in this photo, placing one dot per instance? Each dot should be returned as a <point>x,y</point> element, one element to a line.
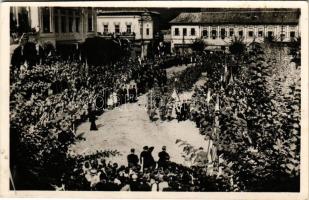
<point>142,173</point>
<point>63,94</point>
<point>56,97</point>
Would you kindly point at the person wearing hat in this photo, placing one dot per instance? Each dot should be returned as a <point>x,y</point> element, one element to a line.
<point>164,157</point>
<point>132,159</point>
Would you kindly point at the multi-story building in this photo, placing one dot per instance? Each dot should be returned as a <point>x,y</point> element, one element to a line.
<point>218,27</point>
<point>137,25</point>
<point>56,25</point>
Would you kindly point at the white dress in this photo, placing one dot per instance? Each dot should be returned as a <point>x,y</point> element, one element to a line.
<point>115,99</point>
<point>110,100</point>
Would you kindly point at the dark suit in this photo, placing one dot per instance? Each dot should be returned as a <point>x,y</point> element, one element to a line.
<point>164,157</point>
<point>132,160</point>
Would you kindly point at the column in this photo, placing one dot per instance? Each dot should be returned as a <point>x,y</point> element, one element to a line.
<point>59,21</point>
<point>34,17</point>
<point>218,33</point>
<point>17,16</point>
<point>74,22</point>
<point>51,20</point>
<point>245,33</point>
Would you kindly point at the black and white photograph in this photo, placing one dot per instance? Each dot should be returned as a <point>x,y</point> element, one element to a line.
<point>155,99</point>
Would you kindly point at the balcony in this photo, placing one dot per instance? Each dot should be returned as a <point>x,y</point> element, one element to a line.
<point>121,35</point>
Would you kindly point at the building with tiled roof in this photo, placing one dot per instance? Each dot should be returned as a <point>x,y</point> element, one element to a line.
<point>218,26</point>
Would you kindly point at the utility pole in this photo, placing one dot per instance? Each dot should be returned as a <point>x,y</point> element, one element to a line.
<point>183,43</point>
<point>142,37</point>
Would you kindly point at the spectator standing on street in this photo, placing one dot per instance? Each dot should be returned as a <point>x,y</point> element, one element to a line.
<point>143,156</point>
<point>92,118</point>
<point>132,159</point>
<point>164,157</point>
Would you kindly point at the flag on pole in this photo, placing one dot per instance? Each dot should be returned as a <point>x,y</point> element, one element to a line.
<point>231,79</point>
<point>86,67</point>
<point>208,96</point>
<point>225,73</point>
<point>217,104</point>
<point>175,95</point>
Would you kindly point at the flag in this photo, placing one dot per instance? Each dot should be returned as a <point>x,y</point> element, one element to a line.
<point>217,104</point>
<point>175,95</point>
<point>208,96</point>
<point>86,67</point>
<point>225,73</point>
<point>231,79</point>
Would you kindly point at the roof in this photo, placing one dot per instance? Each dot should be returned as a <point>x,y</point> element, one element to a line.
<point>124,11</point>
<point>249,17</point>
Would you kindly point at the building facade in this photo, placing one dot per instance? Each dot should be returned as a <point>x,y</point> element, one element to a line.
<point>218,28</point>
<point>139,26</point>
<point>56,25</point>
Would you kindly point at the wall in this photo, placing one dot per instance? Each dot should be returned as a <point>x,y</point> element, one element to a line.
<point>122,21</point>
<point>188,39</point>
<point>218,41</point>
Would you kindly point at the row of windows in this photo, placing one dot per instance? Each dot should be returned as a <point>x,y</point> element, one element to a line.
<point>117,29</point>
<point>223,33</point>
<point>260,33</point>
<point>184,32</point>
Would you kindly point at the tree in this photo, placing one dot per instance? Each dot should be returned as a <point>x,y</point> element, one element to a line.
<point>295,51</point>
<point>198,45</point>
<point>237,47</point>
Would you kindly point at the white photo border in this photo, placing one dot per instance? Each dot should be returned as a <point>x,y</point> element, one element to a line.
<point>5,92</point>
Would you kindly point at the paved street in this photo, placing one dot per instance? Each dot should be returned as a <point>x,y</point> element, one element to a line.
<point>128,126</point>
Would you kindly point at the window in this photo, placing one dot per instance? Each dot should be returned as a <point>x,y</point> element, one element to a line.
<point>77,22</point>
<point>56,24</point>
<point>147,31</point>
<point>63,24</point>
<point>250,33</point>
<point>90,23</point>
<point>282,36</point>
<point>184,32</point>
<point>128,28</point>
<point>192,31</point>
<point>205,33</point>
<point>222,33</point>
<point>176,31</point>
<point>117,29</point>
<point>105,28</point>
<point>214,34</point>
<point>46,20</point>
<point>292,34</point>
<point>231,32</point>
<point>269,34</point>
<point>240,33</point>
<point>260,33</point>
<point>70,24</point>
